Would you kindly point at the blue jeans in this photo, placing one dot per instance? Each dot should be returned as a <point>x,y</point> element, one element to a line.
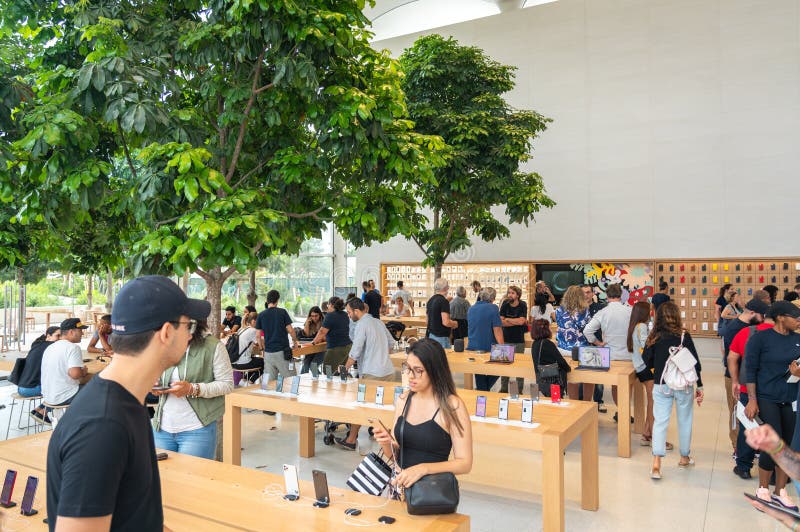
<point>663,397</point>
<point>201,442</point>
<point>29,392</point>
<point>745,455</point>
<point>444,340</point>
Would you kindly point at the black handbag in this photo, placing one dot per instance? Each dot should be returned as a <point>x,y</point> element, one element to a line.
<point>16,372</point>
<point>287,353</point>
<point>549,373</point>
<point>431,494</point>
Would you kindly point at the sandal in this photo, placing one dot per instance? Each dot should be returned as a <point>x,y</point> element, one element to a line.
<point>646,441</point>
<point>669,446</point>
<point>655,474</point>
<point>686,464</point>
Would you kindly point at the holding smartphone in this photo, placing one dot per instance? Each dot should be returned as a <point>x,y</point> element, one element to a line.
<point>480,406</point>
<point>379,395</point>
<point>502,412</point>
<point>362,393</point>
<point>26,508</point>
<point>527,410</point>
<point>8,489</point>
<point>321,494</point>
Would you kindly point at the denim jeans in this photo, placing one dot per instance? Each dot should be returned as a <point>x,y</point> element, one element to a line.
<point>745,455</point>
<point>29,392</point>
<point>444,340</point>
<point>663,397</point>
<point>200,442</point>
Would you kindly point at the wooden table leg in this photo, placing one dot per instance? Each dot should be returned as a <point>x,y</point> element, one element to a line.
<point>47,320</point>
<point>624,417</point>
<point>469,381</point>
<point>639,411</point>
<point>306,437</point>
<point>552,484</point>
<point>232,434</point>
<point>590,469</point>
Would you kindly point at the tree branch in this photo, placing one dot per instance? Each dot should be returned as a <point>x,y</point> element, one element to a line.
<point>265,87</point>
<point>310,214</point>
<point>205,276</point>
<point>248,174</point>
<point>127,152</point>
<point>243,126</point>
<point>168,221</point>
<point>223,137</point>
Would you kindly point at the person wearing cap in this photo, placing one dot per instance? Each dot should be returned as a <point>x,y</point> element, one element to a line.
<point>186,417</point>
<point>770,355</point>
<point>30,379</point>
<point>62,365</point>
<point>101,336</point>
<point>102,471</point>
<point>754,312</point>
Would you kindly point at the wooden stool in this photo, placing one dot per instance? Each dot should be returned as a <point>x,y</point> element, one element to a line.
<point>246,374</point>
<point>56,412</point>
<point>31,403</point>
<point>30,323</point>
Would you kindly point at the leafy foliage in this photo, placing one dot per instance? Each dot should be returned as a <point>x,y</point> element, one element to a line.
<point>456,92</point>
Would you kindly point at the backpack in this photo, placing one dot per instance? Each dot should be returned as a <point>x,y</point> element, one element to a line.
<point>679,372</point>
<point>232,346</point>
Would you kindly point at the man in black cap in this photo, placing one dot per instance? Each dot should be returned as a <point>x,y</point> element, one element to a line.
<point>102,471</point>
<point>30,379</point>
<point>62,365</point>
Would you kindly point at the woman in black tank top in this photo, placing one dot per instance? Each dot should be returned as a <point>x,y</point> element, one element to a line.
<point>431,421</point>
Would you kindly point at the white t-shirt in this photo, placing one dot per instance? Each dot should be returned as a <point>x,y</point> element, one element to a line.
<point>247,336</point>
<point>58,358</point>
<point>536,312</point>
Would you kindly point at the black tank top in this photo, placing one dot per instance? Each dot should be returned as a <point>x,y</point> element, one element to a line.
<point>421,444</point>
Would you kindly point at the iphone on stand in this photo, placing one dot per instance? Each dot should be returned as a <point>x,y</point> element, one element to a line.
<point>265,381</point>
<point>513,389</point>
<point>295,389</point>
<point>502,411</point>
<point>555,393</point>
<point>379,395</point>
<point>26,507</point>
<point>291,482</point>
<point>480,406</point>
<point>323,499</point>
<point>398,391</point>
<point>527,410</point>
<point>329,372</point>
<point>362,393</point>
<point>535,392</point>
<point>279,383</point>
<point>343,373</point>
<point>8,489</point>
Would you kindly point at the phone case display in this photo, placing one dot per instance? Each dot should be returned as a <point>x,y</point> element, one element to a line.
<point>418,281</point>
<point>694,285</point>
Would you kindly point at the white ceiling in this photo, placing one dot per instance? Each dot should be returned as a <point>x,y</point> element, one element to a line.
<point>392,18</point>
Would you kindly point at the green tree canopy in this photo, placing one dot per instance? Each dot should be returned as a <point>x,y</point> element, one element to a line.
<point>245,126</point>
<point>456,92</point>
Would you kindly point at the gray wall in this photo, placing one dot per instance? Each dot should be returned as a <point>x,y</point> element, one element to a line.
<point>675,128</point>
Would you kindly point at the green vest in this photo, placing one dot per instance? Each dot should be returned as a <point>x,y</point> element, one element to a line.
<point>198,365</point>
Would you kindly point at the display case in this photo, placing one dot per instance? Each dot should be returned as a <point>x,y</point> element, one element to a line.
<point>694,285</point>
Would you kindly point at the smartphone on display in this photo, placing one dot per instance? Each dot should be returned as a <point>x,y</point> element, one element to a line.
<point>480,406</point>
<point>321,495</point>
<point>362,393</point>
<point>555,393</point>
<point>279,383</point>
<point>291,482</point>
<point>502,411</point>
<point>379,395</point>
<point>295,389</point>
<point>329,372</point>
<point>527,411</point>
<point>26,507</point>
<point>8,489</point>
<point>398,391</point>
<point>343,373</point>
<point>513,389</point>
<point>265,381</point>
<point>534,391</point>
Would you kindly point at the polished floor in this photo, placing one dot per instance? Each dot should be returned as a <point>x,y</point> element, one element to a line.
<point>707,497</point>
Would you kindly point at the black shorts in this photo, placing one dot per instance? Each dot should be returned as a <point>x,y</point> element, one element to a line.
<point>645,375</point>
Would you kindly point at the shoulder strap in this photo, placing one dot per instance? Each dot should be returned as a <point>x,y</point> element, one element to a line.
<point>403,425</point>
<point>683,332</point>
<point>539,359</point>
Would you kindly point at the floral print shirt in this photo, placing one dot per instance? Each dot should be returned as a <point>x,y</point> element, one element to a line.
<point>570,328</point>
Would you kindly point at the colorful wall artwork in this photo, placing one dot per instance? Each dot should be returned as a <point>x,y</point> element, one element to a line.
<point>636,279</point>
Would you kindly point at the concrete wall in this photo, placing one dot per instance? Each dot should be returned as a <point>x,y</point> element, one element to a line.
<point>676,127</point>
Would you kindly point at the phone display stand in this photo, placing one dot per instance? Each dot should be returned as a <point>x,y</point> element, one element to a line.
<point>9,504</point>
<point>291,497</point>
<point>324,503</point>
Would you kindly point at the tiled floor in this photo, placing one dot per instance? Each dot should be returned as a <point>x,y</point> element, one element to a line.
<point>707,497</point>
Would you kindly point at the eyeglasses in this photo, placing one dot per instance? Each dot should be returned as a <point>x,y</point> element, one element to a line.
<point>191,323</point>
<point>405,368</point>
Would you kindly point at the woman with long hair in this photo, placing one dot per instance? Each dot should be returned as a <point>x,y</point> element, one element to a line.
<point>571,317</point>
<point>668,332</point>
<point>544,351</point>
<point>637,338</point>
<point>247,341</point>
<point>733,308</point>
<point>188,411</point>
<point>313,322</point>
<point>542,309</point>
<point>430,420</point>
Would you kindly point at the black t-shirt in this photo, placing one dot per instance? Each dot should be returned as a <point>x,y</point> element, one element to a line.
<point>230,323</point>
<point>273,322</point>
<point>514,334</point>
<point>658,299</point>
<point>767,358</point>
<point>102,460</point>
<point>338,325</point>
<point>436,305</point>
<point>374,300</point>
<point>32,373</point>
<point>732,328</point>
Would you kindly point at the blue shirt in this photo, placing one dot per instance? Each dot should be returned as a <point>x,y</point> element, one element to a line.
<point>570,329</point>
<point>338,325</point>
<point>482,318</point>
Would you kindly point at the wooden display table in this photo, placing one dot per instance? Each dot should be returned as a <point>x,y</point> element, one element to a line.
<point>94,366</point>
<point>201,494</point>
<point>621,375</point>
<point>558,427</point>
<point>307,349</point>
<point>411,321</point>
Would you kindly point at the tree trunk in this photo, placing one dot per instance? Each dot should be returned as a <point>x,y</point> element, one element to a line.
<point>185,282</point>
<point>89,291</point>
<point>437,271</point>
<point>109,290</point>
<point>21,309</point>
<point>251,293</point>
<point>214,280</point>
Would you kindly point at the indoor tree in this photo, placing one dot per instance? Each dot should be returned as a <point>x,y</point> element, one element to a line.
<point>456,92</point>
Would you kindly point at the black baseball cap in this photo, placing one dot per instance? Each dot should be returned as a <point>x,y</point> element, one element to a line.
<point>757,306</point>
<point>146,303</point>
<point>784,308</point>
<point>72,323</point>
